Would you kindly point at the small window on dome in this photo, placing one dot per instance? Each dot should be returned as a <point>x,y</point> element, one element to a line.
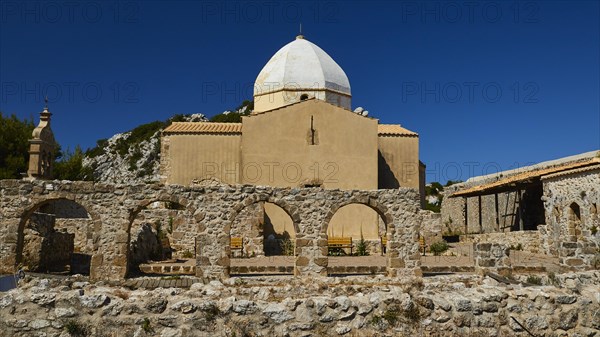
<point>303,97</point>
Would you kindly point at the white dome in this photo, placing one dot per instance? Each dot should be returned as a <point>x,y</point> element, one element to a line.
<point>301,64</point>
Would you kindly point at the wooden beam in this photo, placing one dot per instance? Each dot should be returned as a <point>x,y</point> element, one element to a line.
<point>466,210</point>
<point>520,210</point>
<point>497,212</point>
<point>480,216</point>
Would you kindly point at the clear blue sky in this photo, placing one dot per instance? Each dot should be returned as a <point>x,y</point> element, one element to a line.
<point>487,85</point>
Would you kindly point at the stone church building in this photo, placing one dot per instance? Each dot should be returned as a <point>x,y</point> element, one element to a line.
<point>302,133</point>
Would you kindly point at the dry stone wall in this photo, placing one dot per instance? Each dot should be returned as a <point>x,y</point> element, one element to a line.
<point>574,238</point>
<point>459,305</point>
<point>113,208</point>
<point>528,241</point>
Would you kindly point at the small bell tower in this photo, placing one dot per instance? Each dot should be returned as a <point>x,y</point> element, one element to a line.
<point>42,147</point>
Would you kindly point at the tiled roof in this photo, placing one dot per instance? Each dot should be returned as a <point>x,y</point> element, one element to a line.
<point>522,177</point>
<point>573,171</point>
<point>394,129</point>
<point>203,127</point>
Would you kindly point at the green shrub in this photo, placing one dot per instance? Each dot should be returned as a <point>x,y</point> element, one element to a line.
<point>552,278</point>
<point>211,312</point>
<point>287,247</point>
<point>146,325</point>
<point>391,315</point>
<point>594,230</point>
<point>187,254</point>
<point>533,279</point>
<point>438,248</point>
<point>361,248</point>
<point>76,329</point>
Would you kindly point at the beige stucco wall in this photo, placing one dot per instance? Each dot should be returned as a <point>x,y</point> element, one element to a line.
<point>401,155</point>
<point>279,220</point>
<point>186,157</point>
<point>277,150</point>
<point>278,99</point>
<point>349,220</point>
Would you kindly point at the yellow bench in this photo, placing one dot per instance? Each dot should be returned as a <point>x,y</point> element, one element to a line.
<point>422,244</point>
<point>237,243</point>
<point>341,242</point>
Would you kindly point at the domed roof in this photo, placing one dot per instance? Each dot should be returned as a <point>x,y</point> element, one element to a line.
<point>301,64</point>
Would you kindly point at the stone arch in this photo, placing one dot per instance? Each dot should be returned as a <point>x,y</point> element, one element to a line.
<point>28,212</point>
<point>373,204</point>
<point>574,223</point>
<point>374,245</point>
<point>292,212</point>
<point>258,241</point>
<point>182,204</point>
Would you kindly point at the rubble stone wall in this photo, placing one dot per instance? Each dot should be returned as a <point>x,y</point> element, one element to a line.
<point>441,306</point>
<point>575,241</point>
<point>113,209</point>
<point>528,241</point>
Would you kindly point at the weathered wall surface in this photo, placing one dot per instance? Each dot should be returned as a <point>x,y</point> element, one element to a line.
<point>442,306</point>
<point>187,157</point>
<point>44,248</point>
<point>528,241</point>
<point>575,239</point>
<point>114,207</point>
<point>453,212</point>
<point>346,160</point>
<point>399,161</point>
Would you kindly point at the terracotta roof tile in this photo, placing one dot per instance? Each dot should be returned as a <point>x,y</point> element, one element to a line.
<point>394,129</point>
<point>523,177</point>
<point>203,127</point>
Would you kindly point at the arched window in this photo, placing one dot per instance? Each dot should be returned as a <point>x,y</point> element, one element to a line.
<point>574,222</point>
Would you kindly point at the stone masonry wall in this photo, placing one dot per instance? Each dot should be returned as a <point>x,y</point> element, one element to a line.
<point>113,208</point>
<point>453,217</point>
<point>44,248</point>
<point>575,249</point>
<point>528,241</point>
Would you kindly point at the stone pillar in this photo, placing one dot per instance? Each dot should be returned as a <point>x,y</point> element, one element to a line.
<point>403,259</point>
<point>311,256</point>
<point>212,257</point>
<point>492,256</point>
<point>8,245</point>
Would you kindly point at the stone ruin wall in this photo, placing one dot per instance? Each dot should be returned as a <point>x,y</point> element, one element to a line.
<point>552,238</point>
<point>71,218</point>
<point>248,225</point>
<point>112,209</point>
<point>178,226</point>
<point>453,217</point>
<point>45,248</point>
<point>527,241</point>
<point>560,191</point>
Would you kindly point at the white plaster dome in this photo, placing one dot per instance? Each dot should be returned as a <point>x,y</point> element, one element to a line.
<point>301,65</point>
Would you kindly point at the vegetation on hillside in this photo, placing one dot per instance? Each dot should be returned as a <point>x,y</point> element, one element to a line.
<point>234,116</point>
<point>14,146</point>
<point>435,190</point>
<point>70,166</point>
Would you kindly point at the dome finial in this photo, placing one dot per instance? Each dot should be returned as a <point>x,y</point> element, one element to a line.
<point>300,36</point>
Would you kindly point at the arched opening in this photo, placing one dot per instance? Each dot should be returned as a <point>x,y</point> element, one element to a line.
<point>262,240</point>
<point>357,240</point>
<point>162,239</point>
<point>303,97</point>
<point>574,222</point>
<point>57,236</point>
<point>361,223</point>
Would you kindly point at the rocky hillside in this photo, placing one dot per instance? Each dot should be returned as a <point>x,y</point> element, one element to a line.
<point>134,156</point>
